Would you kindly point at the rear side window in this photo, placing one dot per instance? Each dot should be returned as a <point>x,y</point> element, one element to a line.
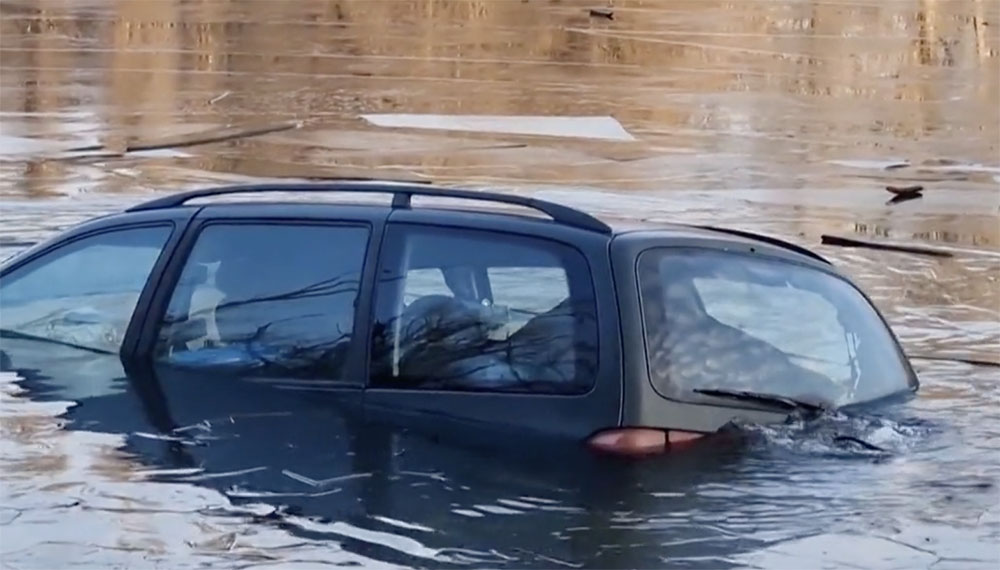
<point>471,310</point>
<point>266,299</point>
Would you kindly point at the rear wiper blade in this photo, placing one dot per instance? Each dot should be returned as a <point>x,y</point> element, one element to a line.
<point>748,396</point>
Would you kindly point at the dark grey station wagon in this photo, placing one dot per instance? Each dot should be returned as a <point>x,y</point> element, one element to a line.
<point>546,324</point>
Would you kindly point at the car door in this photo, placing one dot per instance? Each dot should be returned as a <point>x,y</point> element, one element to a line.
<point>257,313</point>
<point>495,327</point>
<point>69,305</point>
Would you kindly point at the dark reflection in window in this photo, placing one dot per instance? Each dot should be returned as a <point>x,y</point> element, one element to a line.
<point>475,310</point>
<point>266,298</point>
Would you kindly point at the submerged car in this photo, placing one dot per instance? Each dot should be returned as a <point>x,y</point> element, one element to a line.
<point>547,323</point>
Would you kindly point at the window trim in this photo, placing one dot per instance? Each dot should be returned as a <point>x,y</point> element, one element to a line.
<point>408,226</point>
<point>139,312</point>
<point>144,350</point>
<point>905,365</point>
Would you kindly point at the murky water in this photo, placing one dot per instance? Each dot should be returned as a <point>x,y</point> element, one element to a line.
<point>788,116</point>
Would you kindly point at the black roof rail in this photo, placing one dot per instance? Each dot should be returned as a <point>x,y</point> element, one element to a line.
<point>768,239</point>
<point>402,193</point>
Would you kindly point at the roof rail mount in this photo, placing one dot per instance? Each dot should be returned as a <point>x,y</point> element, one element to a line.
<point>402,194</point>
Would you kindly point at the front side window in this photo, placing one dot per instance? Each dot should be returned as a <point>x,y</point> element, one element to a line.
<point>736,322</point>
<point>472,310</point>
<point>83,293</point>
<point>266,299</point>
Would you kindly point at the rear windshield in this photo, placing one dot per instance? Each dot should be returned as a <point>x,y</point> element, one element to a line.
<point>735,321</point>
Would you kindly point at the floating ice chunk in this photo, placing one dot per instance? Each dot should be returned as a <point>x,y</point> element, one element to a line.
<point>872,164</point>
<point>19,148</point>
<point>591,127</point>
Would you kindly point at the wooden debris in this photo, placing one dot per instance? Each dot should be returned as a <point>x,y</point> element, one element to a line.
<point>941,162</point>
<point>850,242</point>
<point>972,361</point>
<point>899,190</point>
<point>218,98</point>
<point>214,136</point>
<point>904,193</point>
<point>861,442</point>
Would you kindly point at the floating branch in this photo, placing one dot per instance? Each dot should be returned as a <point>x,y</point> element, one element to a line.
<point>850,242</point>
<point>904,193</point>
<point>219,135</point>
<point>973,361</point>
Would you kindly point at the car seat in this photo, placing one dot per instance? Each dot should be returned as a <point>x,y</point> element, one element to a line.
<point>672,313</point>
<point>440,319</point>
<point>682,305</point>
<point>545,347</point>
<point>235,282</point>
<point>700,351</point>
<point>185,322</point>
<point>438,330</point>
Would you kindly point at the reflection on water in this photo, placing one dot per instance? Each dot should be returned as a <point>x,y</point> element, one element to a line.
<point>96,508</point>
<point>788,117</point>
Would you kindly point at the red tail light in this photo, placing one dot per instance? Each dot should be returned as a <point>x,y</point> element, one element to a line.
<point>639,441</point>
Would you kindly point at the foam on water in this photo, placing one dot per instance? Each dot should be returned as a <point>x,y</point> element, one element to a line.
<point>838,435</point>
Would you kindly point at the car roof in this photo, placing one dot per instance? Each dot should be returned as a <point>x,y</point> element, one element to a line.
<point>403,192</point>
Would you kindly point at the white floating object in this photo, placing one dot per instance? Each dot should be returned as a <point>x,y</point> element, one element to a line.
<point>19,148</point>
<point>595,127</point>
<point>873,164</point>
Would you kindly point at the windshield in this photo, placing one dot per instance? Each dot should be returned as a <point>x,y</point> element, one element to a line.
<point>734,321</point>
